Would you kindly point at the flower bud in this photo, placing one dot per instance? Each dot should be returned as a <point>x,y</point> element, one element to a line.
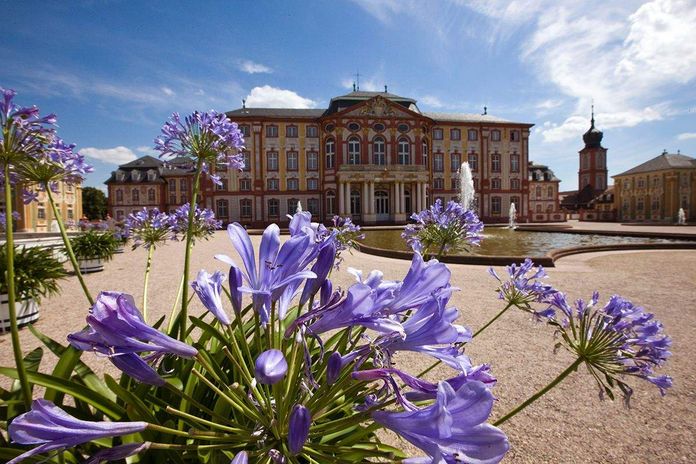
<point>271,367</point>
<point>240,458</point>
<point>298,431</point>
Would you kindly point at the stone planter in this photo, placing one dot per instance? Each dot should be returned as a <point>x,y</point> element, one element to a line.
<point>120,249</point>
<point>27,312</point>
<point>90,265</point>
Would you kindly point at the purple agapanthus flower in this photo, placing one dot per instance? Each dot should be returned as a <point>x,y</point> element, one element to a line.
<point>53,429</point>
<point>148,227</point>
<point>210,138</point>
<point>298,428</point>
<point>453,429</point>
<point>524,286</point>
<point>347,235</point>
<point>117,330</point>
<point>278,266</point>
<point>208,288</point>
<point>616,340</point>
<point>204,223</point>
<point>270,367</point>
<point>240,458</point>
<point>439,230</point>
<point>118,452</point>
<point>56,162</point>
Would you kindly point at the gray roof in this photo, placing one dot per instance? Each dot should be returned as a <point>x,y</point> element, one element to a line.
<point>276,112</point>
<point>467,117</point>
<point>661,163</point>
<point>546,173</point>
<point>365,95</point>
<point>144,162</point>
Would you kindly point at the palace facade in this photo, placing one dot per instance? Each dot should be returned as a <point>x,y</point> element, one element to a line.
<point>38,216</point>
<point>657,189</point>
<point>371,155</point>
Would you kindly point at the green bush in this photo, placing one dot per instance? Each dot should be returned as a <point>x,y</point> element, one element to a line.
<point>37,272</point>
<point>94,245</point>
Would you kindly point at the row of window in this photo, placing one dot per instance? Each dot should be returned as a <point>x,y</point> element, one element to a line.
<point>273,207</point>
<point>135,195</point>
<point>291,131</point>
<point>496,184</point>
<point>183,185</point>
<point>472,135</point>
<point>472,159</point>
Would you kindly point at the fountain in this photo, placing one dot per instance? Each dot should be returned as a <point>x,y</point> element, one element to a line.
<point>681,217</point>
<point>467,194</point>
<point>513,213</point>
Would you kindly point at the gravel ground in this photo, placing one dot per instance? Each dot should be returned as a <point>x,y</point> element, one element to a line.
<point>568,425</point>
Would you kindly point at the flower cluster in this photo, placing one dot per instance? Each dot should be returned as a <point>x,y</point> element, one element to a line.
<point>524,285</point>
<point>347,235</point>
<point>148,227</point>
<point>209,138</point>
<point>30,146</point>
<point>440,230</point>
<point>117,330</point>
<point>616,340</point>
<point>204,222</point>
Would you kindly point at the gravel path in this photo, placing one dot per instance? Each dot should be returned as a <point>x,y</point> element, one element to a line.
<point>568,425</point>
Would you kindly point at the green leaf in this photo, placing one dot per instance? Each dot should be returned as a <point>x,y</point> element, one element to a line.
<point>137,409</point>
<point>63,387</point>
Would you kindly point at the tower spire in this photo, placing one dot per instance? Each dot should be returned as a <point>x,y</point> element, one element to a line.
<point>592,119</point>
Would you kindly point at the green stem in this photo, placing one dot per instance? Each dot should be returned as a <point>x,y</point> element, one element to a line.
<point>150,250</point>
<point>572,368</point>
<point>187,256</point>
<point>172,316</point>
<point>509,305</point>
<point>11,298</point>
<point>68,247</point>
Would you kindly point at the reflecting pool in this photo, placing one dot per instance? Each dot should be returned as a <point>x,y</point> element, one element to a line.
<point>499,241</point>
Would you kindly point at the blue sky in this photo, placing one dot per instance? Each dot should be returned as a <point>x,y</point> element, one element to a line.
<point>113,71</point>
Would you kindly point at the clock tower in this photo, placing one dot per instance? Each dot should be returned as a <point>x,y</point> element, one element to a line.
<point>593,160</point>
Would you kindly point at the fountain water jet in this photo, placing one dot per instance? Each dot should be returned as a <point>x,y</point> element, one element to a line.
<point>467,194</point>
<point>681,217</point>
<point>512,224</point>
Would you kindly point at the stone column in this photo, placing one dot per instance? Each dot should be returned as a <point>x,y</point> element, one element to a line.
<point>371,198</point>
<point>424,198</point>
<point>415,197</point>
<point>340,198</point>
<point>397,197</point>
<point>365,201</point>
<point>348,211</point>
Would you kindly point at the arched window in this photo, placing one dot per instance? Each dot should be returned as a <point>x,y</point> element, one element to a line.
<point>135,195</point>
<point>119,195</point>
<point>330,203</point>
<point>404,152</point>
<point>538,192</point>
<point>378,152</point>
<point>353,150</point>
<point>245,208</point>
<point>425,152</point>
<point>273,208</point>
<point>549,192</point>
<point>330,152</point>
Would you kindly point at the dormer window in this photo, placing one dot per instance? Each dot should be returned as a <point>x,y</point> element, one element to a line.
<point>151,175</point>
<point>135,175</point>
<point>120,176</point>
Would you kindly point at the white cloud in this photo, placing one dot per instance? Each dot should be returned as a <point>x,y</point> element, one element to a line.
<point>116,155</point>
<point>273,97</point>
<point>250,67</point>
<point>147,150</point>
<point>167,91</point>
<point>549,104</point>
<point>430,100</point>
<point>687,136</point>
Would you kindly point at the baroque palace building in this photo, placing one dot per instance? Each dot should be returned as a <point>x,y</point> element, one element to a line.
<point>371,155</point>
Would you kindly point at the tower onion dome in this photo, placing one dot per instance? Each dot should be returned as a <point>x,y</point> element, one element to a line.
<point>593,136</point>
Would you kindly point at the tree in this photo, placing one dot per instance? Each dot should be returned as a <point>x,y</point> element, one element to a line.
<point>93,203</point>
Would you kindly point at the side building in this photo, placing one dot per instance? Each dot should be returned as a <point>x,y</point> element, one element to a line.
<point>657,189</point>
<point>544,204</point>
<point>38,216</point>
